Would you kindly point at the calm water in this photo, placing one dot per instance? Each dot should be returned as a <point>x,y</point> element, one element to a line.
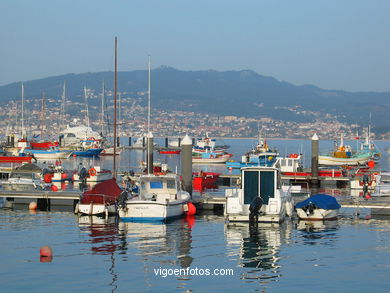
<point>95,254</point>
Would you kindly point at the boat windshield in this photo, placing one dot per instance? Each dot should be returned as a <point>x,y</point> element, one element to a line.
<point>22,175</point>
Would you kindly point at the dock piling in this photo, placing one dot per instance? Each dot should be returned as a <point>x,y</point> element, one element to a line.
<point>186,163</point>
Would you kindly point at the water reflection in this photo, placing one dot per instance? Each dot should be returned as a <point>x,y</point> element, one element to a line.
<point>166,244</point>
<point>318,232</point>
<point>256,248</point>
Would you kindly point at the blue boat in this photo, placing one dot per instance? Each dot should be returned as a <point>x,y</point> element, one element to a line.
<point>318,207</point>
<point>93,152</point>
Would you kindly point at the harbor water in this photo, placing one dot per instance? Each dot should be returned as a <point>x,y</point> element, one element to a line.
<point>201,254</point>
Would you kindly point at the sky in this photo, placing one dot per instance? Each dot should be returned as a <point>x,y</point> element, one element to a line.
<point>332,44</point>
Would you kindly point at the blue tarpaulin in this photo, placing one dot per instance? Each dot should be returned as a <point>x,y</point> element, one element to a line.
<point>322,201</point>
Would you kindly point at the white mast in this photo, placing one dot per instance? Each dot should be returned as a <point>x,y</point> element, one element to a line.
<point>22,109</point>
<point>63,103</point>
<point>103,98</point>
<point>120,115</point>
<point>149,93</point>
<point>86,107</point>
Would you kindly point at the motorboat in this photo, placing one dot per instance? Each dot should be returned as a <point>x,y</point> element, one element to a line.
<point>318,207</point>
<point>160,198</point>
<point>102,199</point>
<point>24,178</point>
<point>74,135</point>
<point>260,198</point>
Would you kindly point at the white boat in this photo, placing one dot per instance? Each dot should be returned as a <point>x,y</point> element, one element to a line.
<point>53,153</point>
<point>26,177</point>
<point>102,199</point>
<point>318,207</point>
<point>352,161</point>
<point>73,136</point>
<point>160,198</point>
<point>110,151</point>
<point>261,197</point>
<point>94,174</point>
<point>383,184</point>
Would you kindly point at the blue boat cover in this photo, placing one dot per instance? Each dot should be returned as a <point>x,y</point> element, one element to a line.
<point>323,201</point>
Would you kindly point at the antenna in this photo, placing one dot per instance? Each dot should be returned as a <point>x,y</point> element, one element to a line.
<point>149,93</point>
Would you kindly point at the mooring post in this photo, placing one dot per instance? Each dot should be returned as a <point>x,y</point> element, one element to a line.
<point>149,153</point>
<point>166,142</point>
<point>186,164</point>
<point>129,140</point>
<point>314,161</point>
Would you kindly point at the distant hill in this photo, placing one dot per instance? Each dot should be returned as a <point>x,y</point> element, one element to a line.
<point>240,93</point>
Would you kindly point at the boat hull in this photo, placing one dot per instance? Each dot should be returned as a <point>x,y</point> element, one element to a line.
<point>15,159</point>
<point>48,155</point>
<point>88,153</point>
<point>141,210</point>
<point>218,160</point>
<point>333,161</point>
<point>318,214</point>
<point>96,209</point>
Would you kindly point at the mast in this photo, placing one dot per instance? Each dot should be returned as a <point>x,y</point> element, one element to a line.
<point>43,110</point>
<point>86,106</point>
<point>22,110</point>
<point>120,115</point>
<point>149,93</point>
<point>115,94</point>
<point>102,117</point>
<point>63,102</point>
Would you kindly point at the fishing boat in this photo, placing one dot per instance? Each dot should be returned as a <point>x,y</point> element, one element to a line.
<point>53,153</point>
<point>160,198</point>
<point>260,155</point>
<point>102,199</point>
<point>318,207</point>
<point>261,197</point>
<point>169,151</point>
<point>211,158</point>
<point>21,158</point>
<point>207,145</point>
<point>382,184</point>
<point>344,156</point>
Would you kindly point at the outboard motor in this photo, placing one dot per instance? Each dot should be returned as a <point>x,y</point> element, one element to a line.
<point>254,209</point>
<point>83,175</point>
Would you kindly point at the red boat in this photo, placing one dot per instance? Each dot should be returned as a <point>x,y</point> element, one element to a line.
<point>170,152</point>
<point>204,180</point>
<point>15,159</point>
<point>43,144</point>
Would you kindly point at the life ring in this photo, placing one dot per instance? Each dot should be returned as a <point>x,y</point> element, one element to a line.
<point>293,156</point>
<point>159,173</point>
<point>92,172</point>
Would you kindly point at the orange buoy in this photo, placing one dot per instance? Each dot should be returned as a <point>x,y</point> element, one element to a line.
<point>74,155</point>
<point>32,206</point>
<point>46,251</point>
<point>64,176</point>
<point>54,188</point>
<point>191,209</point>
<point>92,172</point>
<point>371,164</point>
<point>46,254</point>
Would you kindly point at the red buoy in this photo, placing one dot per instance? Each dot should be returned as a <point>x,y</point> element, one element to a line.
<point>46,254</point>
<point>64,176</point>
<point>54,188</point>
<point>191,209</point>
<point>46,251</point>
<point>48,177</point>
<point>371,164</point>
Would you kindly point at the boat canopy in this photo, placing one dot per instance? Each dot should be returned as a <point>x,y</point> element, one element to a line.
<point>104,192</point>
<point>322,201</point>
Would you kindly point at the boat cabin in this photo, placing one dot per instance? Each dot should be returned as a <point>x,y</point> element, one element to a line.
<point>159,188</point>
<point>258,182</point>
